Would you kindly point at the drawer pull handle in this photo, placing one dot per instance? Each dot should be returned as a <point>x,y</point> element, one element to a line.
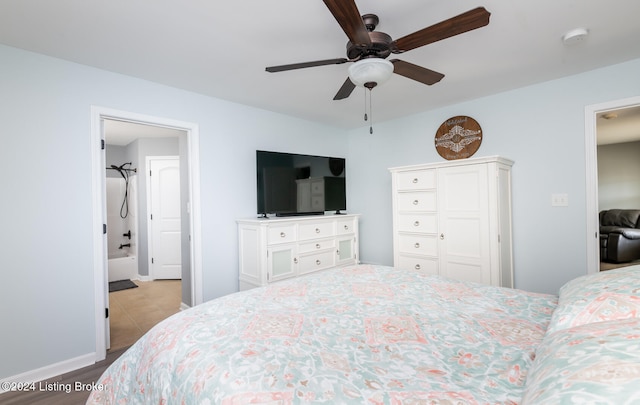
<point>417,267</point>
<point>442,236</point>
<point>295,260</point>
<point>417,223</point>
<point>317,230</point>
<point>317,246</point>
<point>415,180</point>
<point>346,227</point>
<point>282,234</point>
<point>318,262</point>
<point>417,245</point>
<point>415,202</point>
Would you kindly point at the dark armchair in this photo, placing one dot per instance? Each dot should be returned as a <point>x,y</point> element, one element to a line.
<point>619,235</point>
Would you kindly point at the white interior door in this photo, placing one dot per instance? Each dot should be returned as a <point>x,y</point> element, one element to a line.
<point>164,214</point>
<point>464,224</point>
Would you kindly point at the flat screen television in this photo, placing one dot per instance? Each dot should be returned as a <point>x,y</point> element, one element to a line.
<point>294,184</point>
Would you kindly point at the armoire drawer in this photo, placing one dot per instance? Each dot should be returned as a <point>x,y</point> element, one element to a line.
<point>421,264</point>
<point>422,223</point>
<point>418,244</point>
<point>416,180</point>
<point>417,201</point>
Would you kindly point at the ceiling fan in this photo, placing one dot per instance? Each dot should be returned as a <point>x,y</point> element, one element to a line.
<point>367,46</point>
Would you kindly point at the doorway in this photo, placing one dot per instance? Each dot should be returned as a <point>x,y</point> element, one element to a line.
<point>592,112</point>
<point>189,147</point>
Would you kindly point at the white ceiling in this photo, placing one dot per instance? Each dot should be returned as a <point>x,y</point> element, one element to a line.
<point>221,48</point>
<point>618,126</point>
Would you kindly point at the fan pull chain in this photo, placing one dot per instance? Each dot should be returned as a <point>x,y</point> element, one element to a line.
<point>365,105</point>
<point>370,113</point>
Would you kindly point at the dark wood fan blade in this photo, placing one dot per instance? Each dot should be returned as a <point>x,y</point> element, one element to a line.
<point>347,14</point>
<point>415,72</point>
<point>346,90</point>
<point>472,19</point>
<point>293,66</point>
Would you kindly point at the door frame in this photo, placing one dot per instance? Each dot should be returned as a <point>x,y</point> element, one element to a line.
<point>98,114</point>
<point>150,224</point>
<point>591,162</point>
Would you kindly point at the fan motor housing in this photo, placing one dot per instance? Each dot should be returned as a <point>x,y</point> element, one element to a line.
<point>380,47</point>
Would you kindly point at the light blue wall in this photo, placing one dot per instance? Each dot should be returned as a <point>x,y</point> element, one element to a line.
<point>542,128</point>
<point>46,295</point>
<point>47,289</point>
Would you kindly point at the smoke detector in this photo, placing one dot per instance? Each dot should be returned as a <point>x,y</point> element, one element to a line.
<point>575,36</point>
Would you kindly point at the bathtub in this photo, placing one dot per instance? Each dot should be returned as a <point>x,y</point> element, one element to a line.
<point>123,268</point>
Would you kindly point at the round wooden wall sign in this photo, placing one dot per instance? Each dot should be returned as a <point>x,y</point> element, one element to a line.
<point>458,138</point>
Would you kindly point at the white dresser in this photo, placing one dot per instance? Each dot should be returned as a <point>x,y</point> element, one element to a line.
<point>278,248</point>
<point>454,219</point>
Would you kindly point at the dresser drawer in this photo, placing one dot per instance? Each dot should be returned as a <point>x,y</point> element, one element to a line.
<point>417,201</point>
<point>346,226</point>
<point>315,230</point>
<point>416,180</point>
<point>418,244</point>
<point>281,234</point>
<point>315,262</point>
<point>422,223</point>
<point>421,264</point>
<point>317,245</point>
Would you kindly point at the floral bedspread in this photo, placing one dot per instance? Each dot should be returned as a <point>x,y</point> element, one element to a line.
<point>360,334</point>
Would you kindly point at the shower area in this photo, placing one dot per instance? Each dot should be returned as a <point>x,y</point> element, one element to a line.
<point>122,222</point>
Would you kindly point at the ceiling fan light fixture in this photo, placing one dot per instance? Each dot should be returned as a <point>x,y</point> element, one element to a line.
<point>370,70</point>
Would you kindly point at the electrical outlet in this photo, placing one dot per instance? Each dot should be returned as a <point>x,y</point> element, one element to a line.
<point>560,200</point>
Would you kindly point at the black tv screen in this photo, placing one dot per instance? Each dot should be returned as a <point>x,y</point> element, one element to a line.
<point>295,184</point>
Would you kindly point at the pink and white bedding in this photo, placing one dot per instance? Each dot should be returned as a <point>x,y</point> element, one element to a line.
<point>378,335</point>
<point>361,334</point>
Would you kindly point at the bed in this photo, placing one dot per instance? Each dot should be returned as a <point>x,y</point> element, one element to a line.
<point>379,335</point>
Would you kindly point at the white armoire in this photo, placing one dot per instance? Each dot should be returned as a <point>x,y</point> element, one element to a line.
<point>454,219</point>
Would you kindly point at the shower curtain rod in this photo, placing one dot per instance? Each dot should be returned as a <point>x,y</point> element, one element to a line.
<point>120,169</point>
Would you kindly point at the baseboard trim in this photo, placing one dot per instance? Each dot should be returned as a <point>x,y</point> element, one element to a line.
<point>184,306</point>
<point>50,371</point>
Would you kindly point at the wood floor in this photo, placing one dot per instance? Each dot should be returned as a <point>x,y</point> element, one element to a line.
<point>87,375</point>
<point>132,313</point>
<point>610,266</point>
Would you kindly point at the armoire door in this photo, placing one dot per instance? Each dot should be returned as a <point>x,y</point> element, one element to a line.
<point>463,229</point>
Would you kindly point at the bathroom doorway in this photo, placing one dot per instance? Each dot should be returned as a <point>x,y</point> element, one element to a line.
<point>143,134</point>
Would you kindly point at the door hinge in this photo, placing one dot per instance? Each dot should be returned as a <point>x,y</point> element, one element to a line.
<point>102,145</point>
<point>151,216</point>
<point>106,312</point>
<point>104,229</point>
<point>152,260</point>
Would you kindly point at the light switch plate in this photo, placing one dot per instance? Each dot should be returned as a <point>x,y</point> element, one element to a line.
<point>560,200</point>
